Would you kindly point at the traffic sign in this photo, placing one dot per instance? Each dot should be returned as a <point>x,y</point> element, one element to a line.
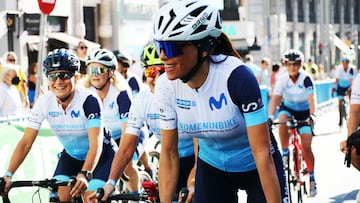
<point>46,6</point>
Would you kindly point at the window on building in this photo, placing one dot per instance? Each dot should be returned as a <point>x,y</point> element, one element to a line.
<point>347,11</point>
<point>356,12</point>
<point>300,11</point>
<point>337,6</point>
<point>289,10</point>
<point>312,11</point>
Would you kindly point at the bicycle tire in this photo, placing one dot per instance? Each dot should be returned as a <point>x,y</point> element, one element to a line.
<point>295,188</point>
<point>154,157</point>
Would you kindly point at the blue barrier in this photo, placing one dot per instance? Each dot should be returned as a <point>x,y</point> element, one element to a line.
<point>322,92</point>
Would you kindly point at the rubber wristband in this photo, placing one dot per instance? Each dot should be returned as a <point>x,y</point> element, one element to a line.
<point>9,174</point>
<point>111,182</point>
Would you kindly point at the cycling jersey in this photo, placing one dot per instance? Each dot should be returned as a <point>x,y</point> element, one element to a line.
<point>115,110</point>
<point>70,125</point>
<point>294,95</point>
<point>343,76</point>
<point>355,91</point>
<point>218,113</point>
<point>145,110</point>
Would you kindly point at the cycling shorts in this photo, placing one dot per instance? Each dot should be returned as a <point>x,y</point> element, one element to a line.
<point>304,128</point>
<point>342,91</point>
<point>69,167</point>
<point>213,185</point>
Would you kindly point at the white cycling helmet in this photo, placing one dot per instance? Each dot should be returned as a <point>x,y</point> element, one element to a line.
<point>104,57</point>
<point>187,20</point>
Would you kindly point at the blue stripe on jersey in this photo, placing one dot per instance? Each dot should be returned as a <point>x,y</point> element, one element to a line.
<point>256,117</point>
<point>94,123</point>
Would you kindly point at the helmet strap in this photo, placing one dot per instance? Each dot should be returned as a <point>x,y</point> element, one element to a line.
<point>204,45</point>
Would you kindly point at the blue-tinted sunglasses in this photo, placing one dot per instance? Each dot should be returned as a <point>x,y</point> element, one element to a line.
<point>171,49</point>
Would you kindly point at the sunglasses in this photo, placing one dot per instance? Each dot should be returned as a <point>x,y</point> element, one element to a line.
<point>83,47</point>
<point>171,49</point>
<point>11,60</point>
<point>61,75</point>
<point>98,70</point>
<point>295,63</point>
<point>152,71</point>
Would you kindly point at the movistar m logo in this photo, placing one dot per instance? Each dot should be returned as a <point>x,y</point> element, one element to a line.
<point>75,114</point>
<point>111,105</point>
<point>217,103</point>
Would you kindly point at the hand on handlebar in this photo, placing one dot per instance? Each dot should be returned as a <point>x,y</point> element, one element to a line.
<point>6,186</point>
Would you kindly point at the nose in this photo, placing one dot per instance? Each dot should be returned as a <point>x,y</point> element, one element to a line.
<point>162,55</point>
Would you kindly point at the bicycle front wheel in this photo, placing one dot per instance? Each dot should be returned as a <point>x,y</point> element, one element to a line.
<point>293,174</point>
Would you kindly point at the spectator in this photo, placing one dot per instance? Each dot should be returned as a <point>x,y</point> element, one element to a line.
<point>274,74</point>
<point>31,83</point>
<point>264,73</point>
<point>255,69</point>
<point>81,52</point>
<point>322,75</point>
<point>313,69</point>
<point>10,102</point>
<point>11,58</point>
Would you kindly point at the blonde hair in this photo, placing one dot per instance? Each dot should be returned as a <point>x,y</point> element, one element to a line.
<point>117,80</point>
<point>5,69</point>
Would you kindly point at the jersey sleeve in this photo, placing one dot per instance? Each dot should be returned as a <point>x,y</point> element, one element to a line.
<point>309,85</point>
<point>245,93</point>
<point>38,113</point>
<point>136,116</point>
<point>124,103</point>
<point>92,111</point>
<point>164,94</point>
<point>355,92</point>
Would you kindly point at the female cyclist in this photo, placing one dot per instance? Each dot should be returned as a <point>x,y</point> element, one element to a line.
<point>144,110</point>
<point>76,118</point>
<point>113,92</point>
<point>210,94</point>
<point>295,92</point>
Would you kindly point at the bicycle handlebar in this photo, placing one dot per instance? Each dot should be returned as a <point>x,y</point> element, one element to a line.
<point>46,183</point>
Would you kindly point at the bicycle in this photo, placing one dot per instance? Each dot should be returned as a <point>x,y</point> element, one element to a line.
<point>295,168</point>
<point>150,194</point>
<point>50,184</point>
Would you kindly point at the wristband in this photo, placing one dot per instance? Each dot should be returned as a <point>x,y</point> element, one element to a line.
<point>8,174</point>
<point>111,182</point>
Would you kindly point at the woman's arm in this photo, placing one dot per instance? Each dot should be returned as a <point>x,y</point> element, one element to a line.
<point>259,139</point>
<point>169,165</point>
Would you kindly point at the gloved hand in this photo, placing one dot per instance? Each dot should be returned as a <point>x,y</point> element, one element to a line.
<point>354,141</point>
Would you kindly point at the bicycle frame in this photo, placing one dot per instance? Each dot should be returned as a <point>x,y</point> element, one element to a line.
<point>296,170</point>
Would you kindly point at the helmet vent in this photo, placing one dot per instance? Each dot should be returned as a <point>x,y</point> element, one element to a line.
<point>172,17</point>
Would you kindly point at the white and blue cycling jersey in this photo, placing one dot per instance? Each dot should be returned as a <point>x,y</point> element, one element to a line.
<point>355,91</point>
<point>218,113</point>
<point>70,125</point>
<point>295,95</point>
<point>343,76</point>
<point>144,110</point>
<point>116,107</point>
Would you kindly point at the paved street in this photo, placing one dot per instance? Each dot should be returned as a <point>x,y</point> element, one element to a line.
<point>336,182</point>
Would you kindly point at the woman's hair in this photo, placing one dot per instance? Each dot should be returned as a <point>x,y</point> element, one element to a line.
<point>224,46</point>
<point>6,68</point>
<point>117,80</point>
<point>31,69</point>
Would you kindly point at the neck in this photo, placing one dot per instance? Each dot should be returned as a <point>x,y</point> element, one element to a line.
<point>103,92</point>
<point>199,78</point>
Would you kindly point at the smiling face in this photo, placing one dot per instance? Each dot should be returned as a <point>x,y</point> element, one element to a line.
<point>98,74</point>
<point>179,66</point>
<point>61,83</point>
<point>293,67</point>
